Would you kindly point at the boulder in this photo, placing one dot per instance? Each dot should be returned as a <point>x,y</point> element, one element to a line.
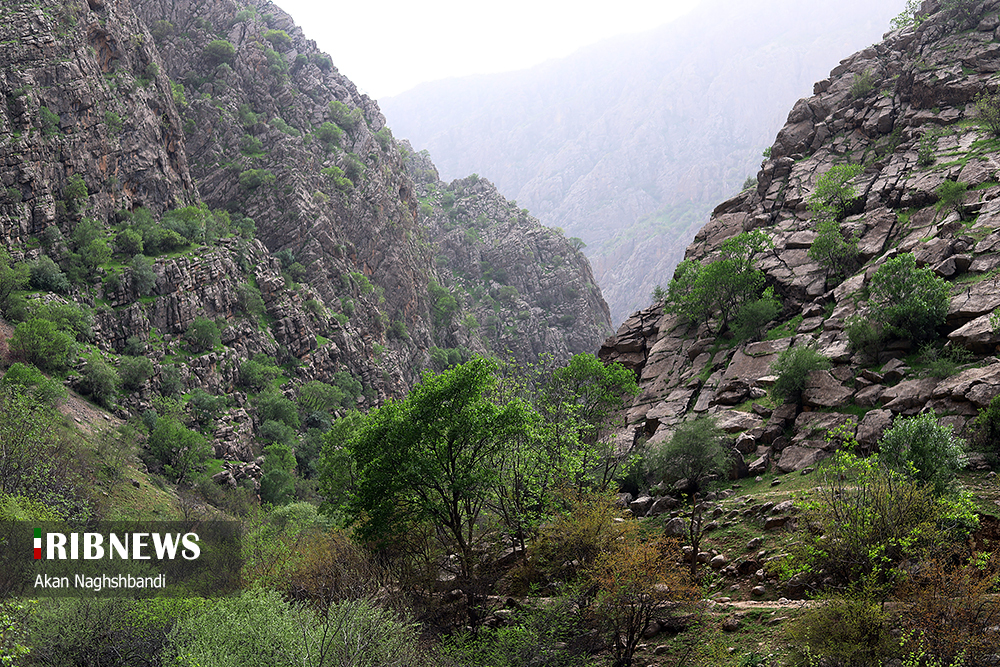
<point>872,426</point>
<point>822,390</point>
<point>796,458</point>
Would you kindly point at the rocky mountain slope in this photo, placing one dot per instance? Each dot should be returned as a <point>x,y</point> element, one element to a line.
<point>906,111</point>
<point>179,170</point>
<point>630,143</point>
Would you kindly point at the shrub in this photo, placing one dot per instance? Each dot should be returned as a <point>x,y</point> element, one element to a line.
<point>924,449</point>
<point>257,373</point>
<point>49,121</point>
<point>143,275</point>
<point>275,407</point>
<point>128,242</point>
<point>135,371</point>
<point>908,302</point>
<point>251,179</point>
<point>329,135</point>
<point>696,450</point>
<point>279,39</point>
<point>834,251</point>
<point>42,344</point>
<point>203,334</point>
<point>100,380</point>
<point>753,317</point>
<point>988,110</point>
<point>343,115</point>
<point>851,631</point>
<point>75,319</point>
<point>249,300</point>
<point>863,337</point>
<point>170,381</point>
<point>792,368</point>
<point>219,51</point>
<point>205,406</point>
<point>833,195</point>
<point>75,194</point>
<point>45,275</point>
<point>862,84</point>
<point>181,450</point>
<point>950,195</point>
<point>30,379</point>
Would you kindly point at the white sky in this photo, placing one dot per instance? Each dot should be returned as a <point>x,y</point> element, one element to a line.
<point>388,47</point>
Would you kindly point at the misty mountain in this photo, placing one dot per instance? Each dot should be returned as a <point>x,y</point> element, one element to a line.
<point>629,144</point>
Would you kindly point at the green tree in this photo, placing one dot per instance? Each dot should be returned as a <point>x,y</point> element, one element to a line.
<point>923,448</point>
<point>723,286</point>
<point>135,371</point>
<point>42,344</point>
<point>277,486</point>
<point>219,51</point>
<point>988,110</point>
<point>45,275</point>
<point>697,449</point>
<point>143,275</point>
<point>833,250</point>
<point>908,302</point>
<point>181,451</point>
<point>100,380</point>
<point>833,196</point>
<point>428,458</point>
<point>950,195</point>
<point>203,334</point>
<point>792,368</point>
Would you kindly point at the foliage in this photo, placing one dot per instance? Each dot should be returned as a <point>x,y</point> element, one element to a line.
<point>279,39</point>
<point>203,334</point>
<point>430,457</point>
<point>181,451</point>
<point>792,368</point>
<point>833,196</point>
<point>986,427</point>
<point>49,121</point>
<point>849,631</point>
<point>31,381</point>
<point>950,195</point>
<point>344,116</point>
<point>636,581</point>
<point>257,372</point>
<point>352,632</point>
<point>988,110</point>
<point>329,135</point>
<point>143,275</point>
<point>41,343</point>
<point>100,380</point>
<point>697,449</point>
<point>251,179</point>
<point>274,406</point>
<point>862,84</point>
<point>443,305</point>
<point>219,51</point>
<point>909,16</point>
<point>75,194</point>
<point>834,251</point>
<point>908,302</point>
<point>753,317</point>
<point>205,407</point>
<point>277,484</point>
<point>868,520</point>
<point>722,287</point>
<point>863,337</point>
<point>45,275</point>
<point>73,318</point>
<point>923,448</point>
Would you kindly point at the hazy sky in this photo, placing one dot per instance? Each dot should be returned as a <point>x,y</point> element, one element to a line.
<point>388,47</point>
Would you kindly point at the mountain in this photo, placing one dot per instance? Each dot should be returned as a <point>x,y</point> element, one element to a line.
<point>628,144</point>
<point>195,184</point>
<point>907,130</point>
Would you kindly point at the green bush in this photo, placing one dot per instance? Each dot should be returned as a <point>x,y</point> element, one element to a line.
<point>988,110</point>
<point>75,194</point>
<point>833,195</point>
<point>143,275</point>
<point>249,301</point>
<point>203,334</point>
<point>924,449</point>
<point>182,451</point>
<point>344,116</point>
<point>100,380</point>
<point>863,337</point>
<point>219,51</point>
<point>42,344</point>
<point>329,135</point>
<point>792,368</point>
<point>753,317</point>
<point>257,373</point>
<point>862,84</point>
<point>49,121</point>
<point>135,371</point>
<point>279,39</point>
<point>275,407</point>
<point>950,195</point>
<point>72,318</point>
<point>47,391</point>
<point>908,302</point>
<point>205,407</point>
<point>697,449</point>
<point>45,275</point>
<point>834,251</point>
<point>351,632</point>
<point>251,179</point>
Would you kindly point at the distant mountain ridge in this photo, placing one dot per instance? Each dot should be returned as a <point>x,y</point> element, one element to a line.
<point>629,144</point>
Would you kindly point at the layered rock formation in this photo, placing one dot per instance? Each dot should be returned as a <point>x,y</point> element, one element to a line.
<point>913,128</point>
<point>306,237</point>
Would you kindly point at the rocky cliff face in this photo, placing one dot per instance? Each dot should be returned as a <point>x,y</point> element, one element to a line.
<point>630,143</point>
<point>272,200</point>
<point>913,128</point>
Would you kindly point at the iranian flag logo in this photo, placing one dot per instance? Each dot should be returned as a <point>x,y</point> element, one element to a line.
<point>38,543</point>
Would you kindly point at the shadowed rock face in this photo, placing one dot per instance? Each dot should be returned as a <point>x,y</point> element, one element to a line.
<point>924,82</point>
<point>161,105</point>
